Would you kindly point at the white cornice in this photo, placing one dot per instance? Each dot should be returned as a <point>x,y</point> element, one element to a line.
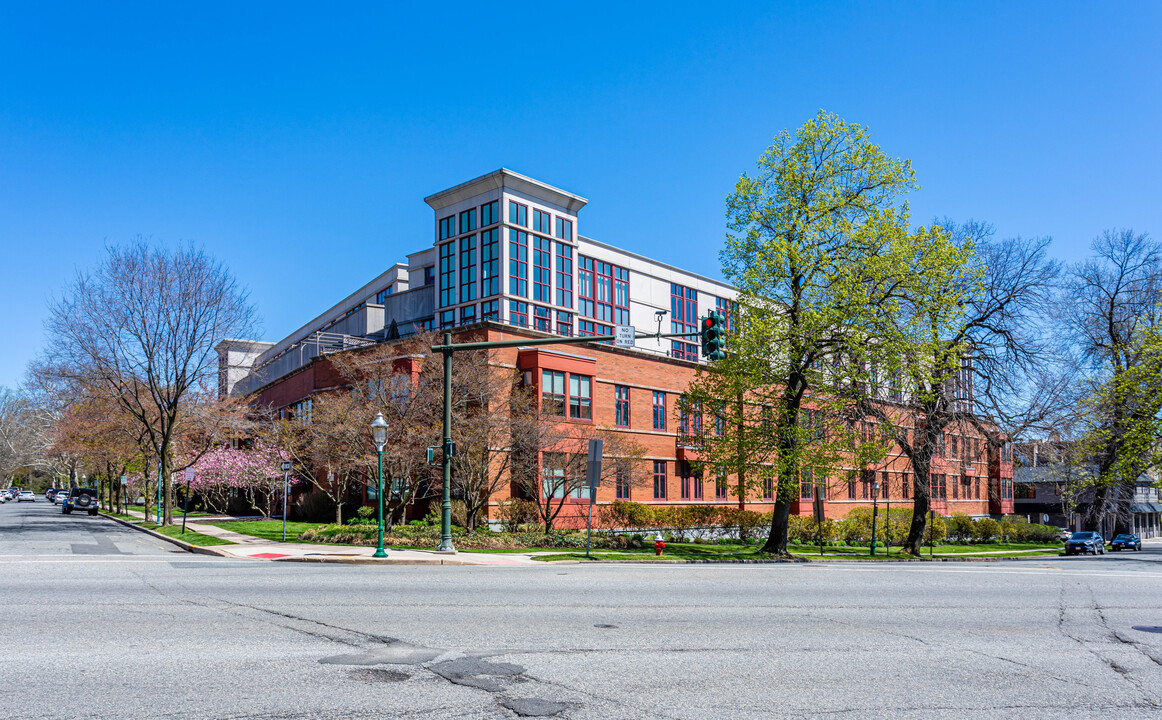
<point>505,178</point>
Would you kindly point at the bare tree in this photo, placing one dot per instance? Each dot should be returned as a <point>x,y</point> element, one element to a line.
<point>24,440</point>
<point>398,380</point>
<point>548,457</point>
<point>330,442</point>
<point>1111,311</point>
<point>976,354</point>
<point>142,328</point>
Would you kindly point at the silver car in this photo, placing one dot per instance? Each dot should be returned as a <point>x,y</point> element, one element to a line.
<point>26,495</point>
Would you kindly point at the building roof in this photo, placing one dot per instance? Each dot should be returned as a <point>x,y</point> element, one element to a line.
<point>505,178</point>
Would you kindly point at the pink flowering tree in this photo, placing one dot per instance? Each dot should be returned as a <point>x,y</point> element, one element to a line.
<point>254,473</point>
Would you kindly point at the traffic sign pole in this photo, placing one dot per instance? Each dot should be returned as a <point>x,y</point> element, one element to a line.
<point>593,476</point>
<point>186,503</point>
<point>286,468</point>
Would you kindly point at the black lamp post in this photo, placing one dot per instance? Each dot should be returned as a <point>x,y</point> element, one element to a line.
<point>379,435</point>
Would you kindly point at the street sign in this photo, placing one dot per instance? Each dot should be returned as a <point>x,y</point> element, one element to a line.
<point>189,475</point>
<point>287,465</point>
<point>818,507</point>
<point>593,466</point>
<point>124,479</point>
<point>624,336</point>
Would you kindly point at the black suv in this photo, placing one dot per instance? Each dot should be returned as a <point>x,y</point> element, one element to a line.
<point>80,499</point>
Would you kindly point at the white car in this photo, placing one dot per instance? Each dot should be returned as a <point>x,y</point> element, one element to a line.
<point>26,495</point>
<point>59,498</point>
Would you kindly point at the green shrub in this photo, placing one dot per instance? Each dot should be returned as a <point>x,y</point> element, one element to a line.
<point>935,531</point>
<point>961,527</point>
<point>855,529</point>
<point>626,515</point>
<point>986,530</point>
<point>1041,533</point>
<point>748,523</point>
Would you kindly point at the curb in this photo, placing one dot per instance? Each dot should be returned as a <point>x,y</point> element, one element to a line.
<point>368,561</point>
<point>196,549</point>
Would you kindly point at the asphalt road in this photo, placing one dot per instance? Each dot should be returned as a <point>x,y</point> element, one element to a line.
<point>97,620</point>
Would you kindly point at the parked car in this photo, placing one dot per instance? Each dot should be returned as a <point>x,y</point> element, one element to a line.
<point>50,493</point>
<point>1085,542</point>
<point>82,500</point>
<point>1065,535</point>
<point>60,497</point>
<point>28,495</point>
<point>1126,541</point>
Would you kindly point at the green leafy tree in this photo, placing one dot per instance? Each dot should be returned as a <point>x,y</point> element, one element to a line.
<point>817,248</point>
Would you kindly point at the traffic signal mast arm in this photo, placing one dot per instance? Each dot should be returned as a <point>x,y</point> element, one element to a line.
<point>448,348</point>
<point>457,347</point>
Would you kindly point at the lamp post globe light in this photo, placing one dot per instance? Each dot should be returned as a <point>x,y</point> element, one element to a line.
<point>379,436</point>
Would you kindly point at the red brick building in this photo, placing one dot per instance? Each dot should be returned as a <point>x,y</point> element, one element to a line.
<point>638,394</point>
<point>507,261</point>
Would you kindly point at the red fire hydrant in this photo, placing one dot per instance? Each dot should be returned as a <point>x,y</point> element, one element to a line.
<point>659,546</point>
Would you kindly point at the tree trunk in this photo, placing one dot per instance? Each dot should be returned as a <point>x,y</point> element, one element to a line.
<point>149,496</point>
<point>780,522</point>
<point>165,512</point>
<point>741,487</point>
<point>740,458</point>
<point>920,505</point>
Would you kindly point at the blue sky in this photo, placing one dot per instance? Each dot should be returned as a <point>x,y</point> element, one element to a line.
<point>296,142</point>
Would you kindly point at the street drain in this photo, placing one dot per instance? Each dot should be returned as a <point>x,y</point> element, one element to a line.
<point>605,626</point>
<point>1149,628</point>
<point>379,675</point>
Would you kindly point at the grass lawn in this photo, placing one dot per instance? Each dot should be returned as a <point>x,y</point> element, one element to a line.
<point>1000,549</point>
<point>127,518</point>
<point>193,538</point>
<point>177,511</point>
<point>687,551</point>
<point>266,529</point>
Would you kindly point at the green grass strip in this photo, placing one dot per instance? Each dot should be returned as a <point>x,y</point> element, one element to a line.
<point>193,538</point>
<point>266,529</point>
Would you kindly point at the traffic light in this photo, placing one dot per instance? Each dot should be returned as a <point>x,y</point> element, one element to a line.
<point>713,336</point>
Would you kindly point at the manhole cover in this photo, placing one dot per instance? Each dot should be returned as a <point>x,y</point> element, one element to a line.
<point>1149,628</point>
<point>605,626</point>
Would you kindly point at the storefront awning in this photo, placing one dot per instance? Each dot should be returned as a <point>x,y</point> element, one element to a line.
<point>1145,507</point>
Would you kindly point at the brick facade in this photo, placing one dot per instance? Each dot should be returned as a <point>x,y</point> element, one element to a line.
<point>970,477</point>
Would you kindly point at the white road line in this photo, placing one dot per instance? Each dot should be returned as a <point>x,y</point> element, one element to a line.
<point>1056,572</point>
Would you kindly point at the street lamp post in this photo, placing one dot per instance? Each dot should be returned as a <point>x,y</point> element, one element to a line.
<point>875,510</point>
<point>379,435</point>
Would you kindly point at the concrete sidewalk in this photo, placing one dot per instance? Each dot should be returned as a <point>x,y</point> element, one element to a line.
<point>248,547</point>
